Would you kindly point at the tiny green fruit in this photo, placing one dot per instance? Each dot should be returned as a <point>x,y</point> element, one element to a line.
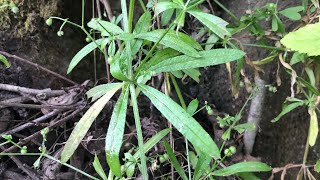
<point>241,84</point>
<point>162,159</point>
<point>110,60</point>
<point>60,33</point>
<point>232,149</point>
<point>15,9</point>
<point>88,39</point>
<point>271,5</point>
<point>49,21</point>
<point>23,150</point>
<point>166,156</point>
<point>209,111</point>
<point>123,169</point>
<point>227,152</point>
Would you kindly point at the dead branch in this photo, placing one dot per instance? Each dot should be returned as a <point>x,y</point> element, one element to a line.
<point>22,90</point>
<point>32,123</point>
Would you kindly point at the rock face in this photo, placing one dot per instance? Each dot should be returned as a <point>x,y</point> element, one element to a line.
<point>278,143</point>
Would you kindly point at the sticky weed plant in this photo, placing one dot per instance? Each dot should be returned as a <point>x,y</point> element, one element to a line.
<point>136,54</point>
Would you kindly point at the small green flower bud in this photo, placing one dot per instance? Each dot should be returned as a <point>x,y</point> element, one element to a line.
<point>227,152</point>
<point>60,33</point>
<point>210,111</point>
<point>15,9</point>
<point>49,21</point>
<point>88,39</point>
<point>162,159</point>
<point>166,156</point>
<point>110,60</point>
<point>232,149</point>
<point>241,84</point>
<point>23,150</point>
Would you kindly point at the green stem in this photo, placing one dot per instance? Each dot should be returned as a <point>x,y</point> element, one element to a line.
<point>80,27</point>
<point>195,4</point>
<point>139,132</point>
<point>306,151</point>
<point>67,21</point>
<point>131,10</point>
<point>227,10</point>
<point>125,15</point>
<point>82,14</point>
<point>265,47</point>
<point>176,87</point>
<point>143,6</point>
<point>4,143</point>
<point>15,144</point>
<point>183,104</point>
<point>110,176</point>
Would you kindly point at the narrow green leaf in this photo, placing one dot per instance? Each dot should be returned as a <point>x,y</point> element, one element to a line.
<point>174,161</point>
<point>4,60</point>
<point>247,176</point>
<point>193,159</point>
<point>317,166</point>
<point>100,90</point>
<point>179,2</point>
<point>181,15</point>
<point>143,23</point>
<point>117,69</point>
<point>243,167</point>
<point>126,37</point>
<point>84,124</point>
<point>163,6</point>
<point>292,12</point>
<point>246,126</point>
<point>281,26</point>
<point>166,16</point>
<point>287,108</point>
<point>193,73</point>
<point>297,57</point>
<point>214,23</point>
<point>202,165</point>
<point>175,40</point>
<point>193,106</point>
<point>82,53</point>
<point>313,129</point>
<point>153,141</point>
<point>208,58</point>
<point>104,27</point>
<point>142,26</point>
<point>182,121</point>
<point>112,49</point>
<point>157,58</point>
<point>115,132</point>
<point>98,168</point>
<point>177,74</point>
<point>312,78</point>
<point>211,41</point>
<point>304,40</point>
<point>274,24</point>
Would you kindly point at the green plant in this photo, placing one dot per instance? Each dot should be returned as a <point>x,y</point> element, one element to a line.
<point>157,51</point>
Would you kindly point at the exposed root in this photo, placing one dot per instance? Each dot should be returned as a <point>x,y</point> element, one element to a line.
<point>254,116</point>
